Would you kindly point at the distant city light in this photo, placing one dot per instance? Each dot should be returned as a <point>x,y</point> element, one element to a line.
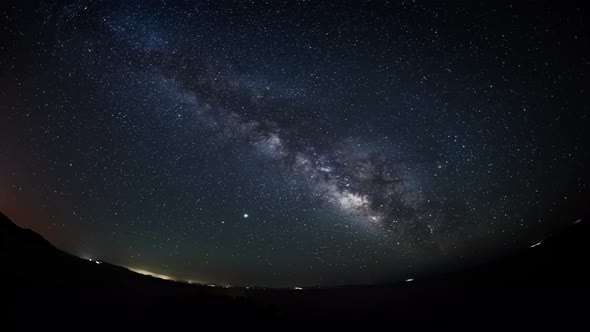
<point>152,274</point>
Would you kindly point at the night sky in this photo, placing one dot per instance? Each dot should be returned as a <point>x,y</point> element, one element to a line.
<point>293,143</point>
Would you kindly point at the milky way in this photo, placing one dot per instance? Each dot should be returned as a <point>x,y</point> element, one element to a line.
<point>292,144</point>
<point>360,183</point>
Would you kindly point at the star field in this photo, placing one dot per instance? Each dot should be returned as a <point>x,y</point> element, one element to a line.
<point>292,143</point>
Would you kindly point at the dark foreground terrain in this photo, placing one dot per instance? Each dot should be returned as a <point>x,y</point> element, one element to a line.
<point>534,288</point>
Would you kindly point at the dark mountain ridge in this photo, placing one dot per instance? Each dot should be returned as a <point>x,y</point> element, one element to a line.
<point>547,281</point>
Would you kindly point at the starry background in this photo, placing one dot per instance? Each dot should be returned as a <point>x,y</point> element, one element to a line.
<point>292,143</point>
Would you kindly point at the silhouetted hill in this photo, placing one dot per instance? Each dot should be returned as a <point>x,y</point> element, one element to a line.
<point>40,281</point>
<point>534,287</point>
